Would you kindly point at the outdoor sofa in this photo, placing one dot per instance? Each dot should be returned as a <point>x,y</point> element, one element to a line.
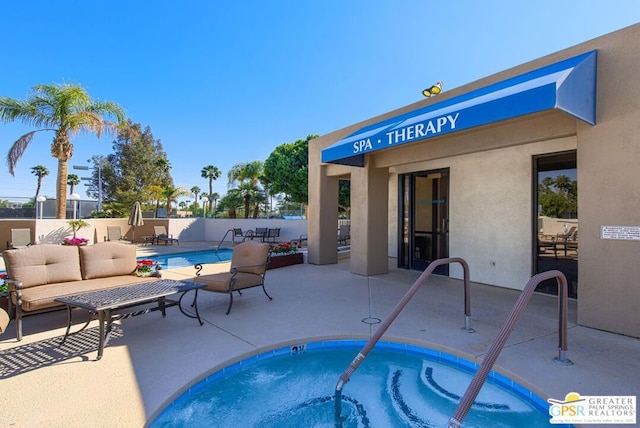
<point>38,274</point>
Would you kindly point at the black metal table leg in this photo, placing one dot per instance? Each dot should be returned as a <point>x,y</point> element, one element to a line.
<point>69,322</point>
<point>194,305</point>
<point>162,306</point>
<point>101,318</point>
<point>66,333</point>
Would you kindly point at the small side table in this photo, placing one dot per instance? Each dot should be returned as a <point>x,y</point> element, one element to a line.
<point>148,240</point>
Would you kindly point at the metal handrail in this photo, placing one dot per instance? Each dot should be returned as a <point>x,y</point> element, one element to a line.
<point>223,238</point>
<point>496,347</point>
<point>344,378</point>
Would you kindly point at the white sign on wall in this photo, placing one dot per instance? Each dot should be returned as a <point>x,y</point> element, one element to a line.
<point>620,232</point>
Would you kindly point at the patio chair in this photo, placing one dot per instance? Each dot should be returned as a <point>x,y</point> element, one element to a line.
<point>115,234</point>
<point>160,234</point>
<point>261,232</point>
<point>248,267</point>
<point>272,234</point>
<point>344,234</point>
<point>238,233</point>
<point>20,238</point>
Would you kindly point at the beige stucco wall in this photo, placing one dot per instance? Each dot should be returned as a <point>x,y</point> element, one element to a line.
<point>53,231</point>
<point>490,210</point>
<point>609,192</point>
<point>491,186</point>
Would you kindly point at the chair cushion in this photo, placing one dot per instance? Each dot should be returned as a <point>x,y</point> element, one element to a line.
<point>106,259</point>
<point>43,264</point>
<point>250,257</point>
<point>219,282</point>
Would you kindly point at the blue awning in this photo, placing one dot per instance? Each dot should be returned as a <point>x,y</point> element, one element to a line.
<point>569,86</point>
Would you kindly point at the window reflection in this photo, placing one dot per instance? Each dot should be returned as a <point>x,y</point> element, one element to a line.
<point>556,199</point>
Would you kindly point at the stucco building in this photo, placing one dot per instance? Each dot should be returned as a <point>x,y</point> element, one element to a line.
<point>494,172</point>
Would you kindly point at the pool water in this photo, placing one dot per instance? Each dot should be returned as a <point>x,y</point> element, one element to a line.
<point>178,260</point>
<point>396,386</point>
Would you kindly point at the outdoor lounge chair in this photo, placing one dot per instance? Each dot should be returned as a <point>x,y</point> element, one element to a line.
<point>344,234</point>
<point>160,235</point>
<point>20,238</point>
<point>115,234</point>
<point>248,266</point>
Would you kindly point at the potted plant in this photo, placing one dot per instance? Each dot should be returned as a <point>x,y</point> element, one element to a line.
<point>75,226</point>
<point>284,254</point>
<point>147,268</point>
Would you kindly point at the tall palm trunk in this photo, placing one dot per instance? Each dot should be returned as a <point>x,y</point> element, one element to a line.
<point>38,189</point>
<point>61,149</point>
<point>61,202</point>
<point>210,194</point>
<point>246,206</point>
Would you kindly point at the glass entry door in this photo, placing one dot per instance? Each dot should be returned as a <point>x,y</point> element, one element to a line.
<point>425,219</point>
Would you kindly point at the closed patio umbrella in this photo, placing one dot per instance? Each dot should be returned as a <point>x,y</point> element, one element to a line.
<point>135,219</point>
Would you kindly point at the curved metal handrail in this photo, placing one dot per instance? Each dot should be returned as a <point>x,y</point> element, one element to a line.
<point>224,237</point>
<point>344,378</point>
<point>496,347</point>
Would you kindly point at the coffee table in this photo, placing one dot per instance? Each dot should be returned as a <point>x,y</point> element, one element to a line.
<point>103,302</point>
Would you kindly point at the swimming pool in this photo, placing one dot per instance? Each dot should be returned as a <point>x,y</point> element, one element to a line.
<point>397,385</point>
<point>178,260</point>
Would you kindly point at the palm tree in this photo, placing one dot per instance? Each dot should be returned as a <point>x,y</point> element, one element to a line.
<point>231,202</point>
<point>250,171</point>
<point>251,194</point>
<point>65,109</point>
<point>39,171</point>
<point>212,173</point>
<point>195,190</point>
<point>215,196</point>
<point>248,175</point>
<point>171,193</point>
<point>156,193</point>
<point>72,180</point>
<point>563,184</point>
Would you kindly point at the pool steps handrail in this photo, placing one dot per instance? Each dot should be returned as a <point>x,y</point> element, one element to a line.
<point>230,231</point>
<point>496,347</point>
<point>344,378</point>
<point>487,363</point>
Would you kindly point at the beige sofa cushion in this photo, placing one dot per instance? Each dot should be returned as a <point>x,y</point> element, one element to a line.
<point>106,259</point>
<point>43,297</point>
<point>43,264</point>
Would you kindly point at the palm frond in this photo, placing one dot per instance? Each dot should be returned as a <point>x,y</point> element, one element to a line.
<point>110,109</point>
<point>17,150</point>
<point>12,110</point>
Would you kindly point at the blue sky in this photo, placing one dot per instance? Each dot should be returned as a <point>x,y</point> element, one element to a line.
<point>224,82</point>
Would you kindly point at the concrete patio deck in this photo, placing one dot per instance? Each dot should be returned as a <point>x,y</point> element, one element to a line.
<point>151,360</point>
